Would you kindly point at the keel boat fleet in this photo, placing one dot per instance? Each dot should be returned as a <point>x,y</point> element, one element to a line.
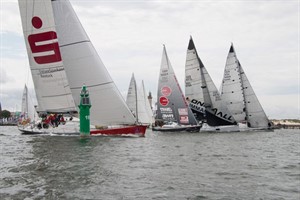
<point>62,59</point>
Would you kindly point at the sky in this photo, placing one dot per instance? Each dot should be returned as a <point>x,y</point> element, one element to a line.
<point>129,36</point>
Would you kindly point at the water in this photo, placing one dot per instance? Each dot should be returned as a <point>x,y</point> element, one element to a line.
<point>258,165</point>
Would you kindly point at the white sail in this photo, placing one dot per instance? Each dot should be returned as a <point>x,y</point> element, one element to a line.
<point>27,107</point>
<point>240,96</point>
<point>141,104</point>
<point>171,103</point>
<point>202,93</point>
<point>193,82</point>
<point>147,104</point>
<point>136,102</point>
<point>84,66</point>
<point>48,72</point>
<point>131,98</point>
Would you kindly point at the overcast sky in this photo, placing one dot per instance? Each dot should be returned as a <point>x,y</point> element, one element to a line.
<point>129,36</point>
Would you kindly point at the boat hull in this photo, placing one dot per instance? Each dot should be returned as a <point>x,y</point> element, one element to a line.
<point>134,130</point>
<point>219,129</point>
<point>177,129</point>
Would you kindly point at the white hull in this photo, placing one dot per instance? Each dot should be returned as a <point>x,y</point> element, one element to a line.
<point>230,128</point>
<point>245,128</point>
<point>69,128</point>
<point>219,129</point>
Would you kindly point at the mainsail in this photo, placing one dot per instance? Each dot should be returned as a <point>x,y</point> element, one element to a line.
<point>47,68</point>
<point>131,98</point>
<point>171,103</point>
<point>27,107</point>
<point>240,96</point>
<point>147,104</point>
<point>201,92</point>
<point>84,66</point>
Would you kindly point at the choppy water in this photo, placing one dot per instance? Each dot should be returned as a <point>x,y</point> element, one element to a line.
<point>259,165</point>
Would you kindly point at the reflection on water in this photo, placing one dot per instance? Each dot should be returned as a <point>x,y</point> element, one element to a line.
<point>260,165</point>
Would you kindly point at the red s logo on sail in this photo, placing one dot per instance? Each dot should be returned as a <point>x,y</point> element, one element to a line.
<point>43,43</point>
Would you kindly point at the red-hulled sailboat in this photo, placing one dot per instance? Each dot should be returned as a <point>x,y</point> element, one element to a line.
<point>62,59</point>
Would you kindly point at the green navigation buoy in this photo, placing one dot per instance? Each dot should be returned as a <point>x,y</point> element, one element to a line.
<point>84,112</point>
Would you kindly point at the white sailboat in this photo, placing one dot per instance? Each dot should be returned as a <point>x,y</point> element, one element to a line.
<point>240,96</point>
<point>62,59</point>
<point>147,105</point>
<point>173,112</point>
<point>203,96</point>
<point>28,113</point>
<point>137,103</point>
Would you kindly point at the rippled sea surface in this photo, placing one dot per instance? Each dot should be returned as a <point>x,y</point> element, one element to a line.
<point>257,165</point>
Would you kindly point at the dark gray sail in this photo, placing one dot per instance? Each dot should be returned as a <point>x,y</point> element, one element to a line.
<point>171,103</point>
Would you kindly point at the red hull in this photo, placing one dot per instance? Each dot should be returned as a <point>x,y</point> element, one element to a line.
<point>134,130</point>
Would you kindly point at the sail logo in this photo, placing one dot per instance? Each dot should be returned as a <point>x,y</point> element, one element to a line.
<point>44,46</point>
<point>165,110</point>
<point>197,106</point>
<point>164,101</point>
<point>166,90</point>
<point>167,116</point>
<point>221,115</point>
<point>184,119</point>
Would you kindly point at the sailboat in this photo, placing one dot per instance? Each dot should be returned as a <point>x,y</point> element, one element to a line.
<point>137,103</point>
<point>62,59</point>
<point>173,112</point>
<point>203,96</point>
<point>28,114</point>
<point>147,105</point>
<point>240,96</point>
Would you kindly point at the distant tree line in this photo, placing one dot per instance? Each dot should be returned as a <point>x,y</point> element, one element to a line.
<point>5,114</point>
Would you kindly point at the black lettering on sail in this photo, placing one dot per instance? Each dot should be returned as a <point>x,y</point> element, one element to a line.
<point>220,114</point>
<point>198,103</point>
<point>215,111</point>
